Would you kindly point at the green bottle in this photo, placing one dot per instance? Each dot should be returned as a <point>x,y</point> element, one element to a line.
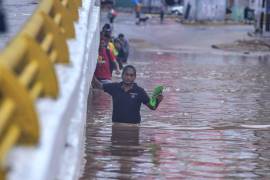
<point>157,91</point>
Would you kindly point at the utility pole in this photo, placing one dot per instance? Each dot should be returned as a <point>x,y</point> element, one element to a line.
<point>262,15</point>
<point>259,16</point>
<point>196,10</point>
<point>267,25</point>
<point>3,26</point>
<point>149,6</point>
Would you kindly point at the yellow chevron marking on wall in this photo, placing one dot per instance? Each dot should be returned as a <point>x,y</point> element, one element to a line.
<point>29,74</point>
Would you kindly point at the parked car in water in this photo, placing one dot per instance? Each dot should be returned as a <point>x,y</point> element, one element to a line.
<point>176,9</point>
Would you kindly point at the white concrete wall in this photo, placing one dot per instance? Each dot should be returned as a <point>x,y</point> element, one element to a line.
<point>242,3</point>
<point>207,9</point>
<point>153,3</point>
<point>211,10</point>
<point>59,152</point>
<point>252,3</point>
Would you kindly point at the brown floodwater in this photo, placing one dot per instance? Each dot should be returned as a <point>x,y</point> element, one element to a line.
<point>214,121</point>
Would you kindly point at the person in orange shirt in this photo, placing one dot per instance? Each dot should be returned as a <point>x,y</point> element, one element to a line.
<point>103,72</point>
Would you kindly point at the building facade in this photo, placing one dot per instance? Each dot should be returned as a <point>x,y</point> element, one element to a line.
<point>262,16</point>
<point>238,7</point>
<point>200,10</point>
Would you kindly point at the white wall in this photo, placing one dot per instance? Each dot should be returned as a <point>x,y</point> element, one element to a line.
<point>211,10</point>
<point>59,152</point>
<point>207,9</point>
<point>153,3</point>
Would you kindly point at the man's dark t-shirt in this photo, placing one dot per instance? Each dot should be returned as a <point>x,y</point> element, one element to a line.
<point>126,105</point>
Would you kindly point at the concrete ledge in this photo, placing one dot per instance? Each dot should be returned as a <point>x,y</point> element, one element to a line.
<point>62,121</point>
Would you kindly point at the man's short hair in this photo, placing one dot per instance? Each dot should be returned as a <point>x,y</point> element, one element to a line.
<point>128,67</point>
<point>121,35</point>
<point>107,27</point>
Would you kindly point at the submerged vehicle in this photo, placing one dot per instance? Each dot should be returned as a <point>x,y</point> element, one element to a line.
<point>176,9</point>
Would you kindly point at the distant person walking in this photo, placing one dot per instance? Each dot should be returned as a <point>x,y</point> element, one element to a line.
<point>161,13</point>
<point>137,8</point>
<point>112,15</point>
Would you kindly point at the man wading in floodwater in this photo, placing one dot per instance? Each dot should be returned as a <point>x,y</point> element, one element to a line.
<point>127,97</point>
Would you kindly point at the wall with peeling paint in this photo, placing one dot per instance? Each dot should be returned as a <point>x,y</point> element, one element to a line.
<point>206,9</point>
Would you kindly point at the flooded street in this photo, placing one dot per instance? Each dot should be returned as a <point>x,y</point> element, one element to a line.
<point>212,124</point>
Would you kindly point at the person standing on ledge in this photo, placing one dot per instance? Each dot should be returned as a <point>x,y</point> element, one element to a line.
<point>127,97</point>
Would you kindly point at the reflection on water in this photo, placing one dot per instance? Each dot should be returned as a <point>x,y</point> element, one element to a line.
<point>213,123</point>
<point>125,145</point>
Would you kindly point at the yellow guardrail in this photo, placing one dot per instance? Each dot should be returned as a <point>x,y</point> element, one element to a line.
<point>48,36</point>
<point>27,72</point>
<point>60,15</point>
<point>72,5</point>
